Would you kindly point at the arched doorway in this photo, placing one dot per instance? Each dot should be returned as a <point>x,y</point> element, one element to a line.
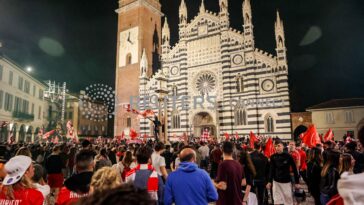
<point>299,130</point>
<point>36,135</point>
<point>29,134</point>
<point>4,132</point>
<point>22,132</point>
<point>202,121</point>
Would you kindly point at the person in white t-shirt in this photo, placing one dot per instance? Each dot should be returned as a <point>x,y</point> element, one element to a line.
<point>204,151</point>
<point>39,183</point>
<point>158,162</point>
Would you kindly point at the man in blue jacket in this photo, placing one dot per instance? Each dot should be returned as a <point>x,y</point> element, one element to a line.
<point>189,184</point>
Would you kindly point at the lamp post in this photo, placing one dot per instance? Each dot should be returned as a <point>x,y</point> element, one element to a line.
<point>162,93</point>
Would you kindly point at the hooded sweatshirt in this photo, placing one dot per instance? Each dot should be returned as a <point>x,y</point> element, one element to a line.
<point>77,186</point>
<point>351,188</point>
<point>189,185</point>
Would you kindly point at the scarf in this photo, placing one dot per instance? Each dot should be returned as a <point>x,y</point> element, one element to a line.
<point>152,184</point>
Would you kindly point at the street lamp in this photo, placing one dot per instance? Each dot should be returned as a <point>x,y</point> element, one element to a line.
<point>29,69</point>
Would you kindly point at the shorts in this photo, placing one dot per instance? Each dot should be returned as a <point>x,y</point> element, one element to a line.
<point>282,193</point>
<point>55,180</point>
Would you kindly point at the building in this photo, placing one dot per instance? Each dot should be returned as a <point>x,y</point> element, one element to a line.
<point>21,102</point>
<point>300,122</point>
<point>228,84</point>
<point>343,116</point>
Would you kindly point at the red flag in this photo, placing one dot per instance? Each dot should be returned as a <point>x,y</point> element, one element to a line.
<point>46,135</point>
<point>147,113</point>
<point>227,137</point>
<point>122,135</point>
<point>329,135</point>
<point>253,139</point>
<point>269,148</point>
<point>133,134</point>
<point>311,137</point>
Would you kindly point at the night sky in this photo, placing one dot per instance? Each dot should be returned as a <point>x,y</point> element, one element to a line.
<point>75,41</point>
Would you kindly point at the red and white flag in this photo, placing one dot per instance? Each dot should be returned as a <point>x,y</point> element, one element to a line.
<point>46,135</point>
<point>11,137</point>
<point>329,136</point>
<point>205,136</point>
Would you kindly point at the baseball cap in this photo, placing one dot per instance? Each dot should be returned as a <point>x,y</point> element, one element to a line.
<point>15,168</point>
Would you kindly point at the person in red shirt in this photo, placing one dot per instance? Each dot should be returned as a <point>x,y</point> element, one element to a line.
<point>78,185</point>
<point>17,185</point>
<point>303,163</point>
<point>216,159</point>
<point>295,154</point>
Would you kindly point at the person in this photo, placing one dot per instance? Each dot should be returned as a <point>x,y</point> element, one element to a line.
<point>260,162</point>
<point>125,165</point>
<point>204,151</point>
<point>78,185</point>
<point>189,184</point>
<point>294,153</point>
<point>229,178</point>
<point>112,155</point>
<point>64,154</point>
<point>350,187</point>
<point>350,148</point>
<point>39,183</point>
<point>313,174</point>
<point>54,165</point>
<point>329,176</point>
<point>126,194</point>
<point>157,124</point>
<point>144,176</point>
<point>71,161</point>
<point>281,165</point>
<point>249,173</point>
<point>303,164</point>
<point>104,179</point>
<point>102,160</point>
<point>158,161</point>
<point>346,163</point>
<point>24,151</point>
<point>216,158</point>
<point>167,154</point>
<point>17,185</point>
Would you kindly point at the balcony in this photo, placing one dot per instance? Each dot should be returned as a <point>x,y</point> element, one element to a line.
<point>21,116</point>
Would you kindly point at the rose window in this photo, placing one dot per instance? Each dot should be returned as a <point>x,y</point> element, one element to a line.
<point>205,83</point>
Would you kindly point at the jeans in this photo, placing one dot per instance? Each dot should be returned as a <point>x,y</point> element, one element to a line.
<point>259,189</point>
<point>324,198</point>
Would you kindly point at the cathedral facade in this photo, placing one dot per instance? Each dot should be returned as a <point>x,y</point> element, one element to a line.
<point>213,78</point>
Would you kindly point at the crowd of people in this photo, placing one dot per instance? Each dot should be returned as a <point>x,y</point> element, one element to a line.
<point>226,173</point>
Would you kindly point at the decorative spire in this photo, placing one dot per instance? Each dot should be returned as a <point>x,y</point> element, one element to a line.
<point>143,64</point>
<point>223,6</point>
<point>202,7</point>
<point>165,32</point>
<point>247,12</point>
<point>183,12</point>
<point>279,23</point>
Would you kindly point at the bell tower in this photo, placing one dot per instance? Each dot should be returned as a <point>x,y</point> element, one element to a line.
<point>139,28</point>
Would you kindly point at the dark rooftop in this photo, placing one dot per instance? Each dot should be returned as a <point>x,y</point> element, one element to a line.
<point>337,103</point>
